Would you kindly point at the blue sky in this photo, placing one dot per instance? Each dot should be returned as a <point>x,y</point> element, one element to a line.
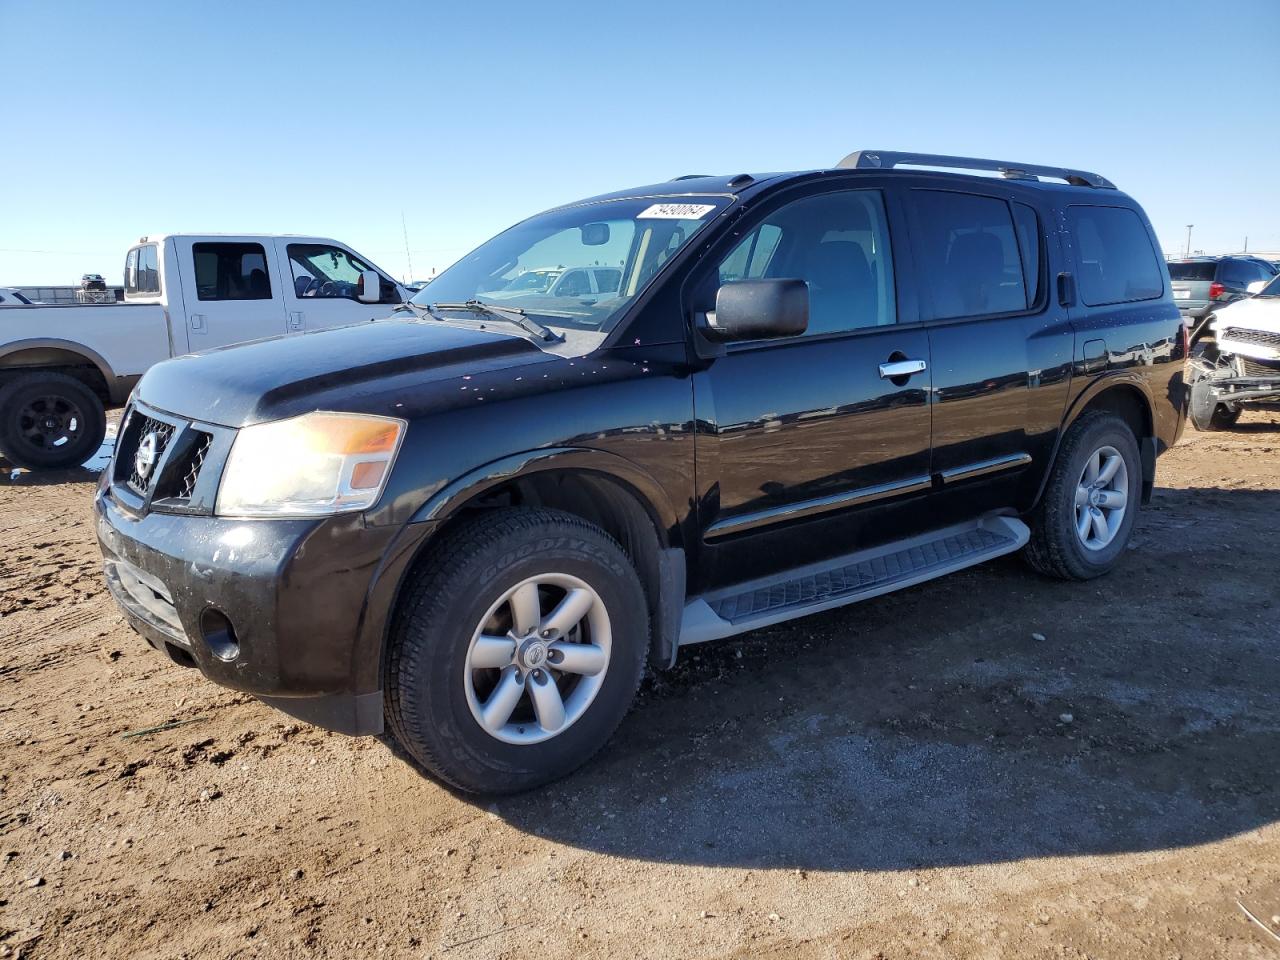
<point>337,118</point>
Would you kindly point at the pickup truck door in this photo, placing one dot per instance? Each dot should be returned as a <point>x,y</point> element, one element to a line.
<point>1001,343</point>
<point>817,445</point>
<point>230,289</point>
<point>320,286</point>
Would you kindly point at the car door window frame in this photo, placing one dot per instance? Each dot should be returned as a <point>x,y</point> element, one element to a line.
<point>916,234</point>
<point>751,218</point>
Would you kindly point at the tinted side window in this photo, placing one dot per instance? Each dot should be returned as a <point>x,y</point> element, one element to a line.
<point>1117,262</point>
<point>1241,273</point>
<point>575,283</point>
<point>608,280</point>
<point>231,271</point>
<point>838,243</point>
<point>970,257</point>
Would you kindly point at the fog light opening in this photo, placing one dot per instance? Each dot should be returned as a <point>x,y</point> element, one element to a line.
<point>219,635</point>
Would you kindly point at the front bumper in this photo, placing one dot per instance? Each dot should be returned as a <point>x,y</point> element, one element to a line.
<point>292,610</point>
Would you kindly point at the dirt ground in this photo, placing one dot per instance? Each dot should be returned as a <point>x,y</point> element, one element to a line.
<point>989,765</point>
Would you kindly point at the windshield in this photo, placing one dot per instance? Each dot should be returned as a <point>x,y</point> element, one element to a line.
<point>577,267</point>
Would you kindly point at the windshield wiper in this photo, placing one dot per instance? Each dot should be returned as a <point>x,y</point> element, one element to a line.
<point>509,314</point>
<point>422,310</point>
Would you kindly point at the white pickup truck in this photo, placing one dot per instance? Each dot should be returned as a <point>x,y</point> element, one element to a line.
<point>62,365</point>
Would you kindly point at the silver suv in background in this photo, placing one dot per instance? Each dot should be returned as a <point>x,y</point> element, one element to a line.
<point>1203,284</point>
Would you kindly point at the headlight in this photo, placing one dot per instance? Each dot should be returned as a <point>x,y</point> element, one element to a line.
<point>313,465</point>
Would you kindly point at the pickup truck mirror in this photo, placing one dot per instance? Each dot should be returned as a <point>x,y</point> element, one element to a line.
<point>369,289</point>
<point>1257,286</point>
<point>759,310</point>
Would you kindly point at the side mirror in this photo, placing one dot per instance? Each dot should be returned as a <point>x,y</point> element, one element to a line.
<point>369,289</point>
<point>1257,286</point>
<point>759,310</point>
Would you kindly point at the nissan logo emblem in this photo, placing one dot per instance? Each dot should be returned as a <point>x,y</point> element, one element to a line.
<point>145,459</point>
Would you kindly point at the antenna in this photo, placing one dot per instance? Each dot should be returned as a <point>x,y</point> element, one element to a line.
<point>408,259</point>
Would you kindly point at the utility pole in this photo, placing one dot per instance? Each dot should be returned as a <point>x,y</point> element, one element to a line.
<point>1189,226</point>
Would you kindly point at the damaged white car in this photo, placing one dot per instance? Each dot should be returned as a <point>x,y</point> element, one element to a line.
<point>1236,359</point>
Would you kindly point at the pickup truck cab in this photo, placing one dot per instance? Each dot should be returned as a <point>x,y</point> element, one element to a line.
<point>474,525</point>
<point>62,365</point>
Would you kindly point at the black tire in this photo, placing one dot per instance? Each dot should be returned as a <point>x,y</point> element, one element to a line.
<point>81,419</point>
<point>1205,413</point>
<point>446,600</point>
<point>1055,549</point>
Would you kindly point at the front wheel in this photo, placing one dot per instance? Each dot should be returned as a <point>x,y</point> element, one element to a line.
<point>1086,515</point>
<point>1204,411</point>
<point>49,421</point>
<point>516,651</point>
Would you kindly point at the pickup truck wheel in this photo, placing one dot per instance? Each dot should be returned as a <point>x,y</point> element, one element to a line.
<point>49,421</point>
<point>515,651</point>
<point>1086,515</point>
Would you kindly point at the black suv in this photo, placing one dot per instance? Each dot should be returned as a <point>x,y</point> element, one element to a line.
<point>478,520</point>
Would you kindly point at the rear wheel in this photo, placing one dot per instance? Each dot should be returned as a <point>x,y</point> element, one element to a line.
<point>1087,512</point>
<point>516,651</point>
<point>49,421</point>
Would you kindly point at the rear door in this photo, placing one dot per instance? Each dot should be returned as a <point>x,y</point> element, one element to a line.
<point>229,291</point>
<point>1001,345</point>
<point>322,281</point>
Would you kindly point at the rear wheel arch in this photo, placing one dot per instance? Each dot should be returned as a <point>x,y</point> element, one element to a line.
<point>54,356</point>
<point>1128,399</point>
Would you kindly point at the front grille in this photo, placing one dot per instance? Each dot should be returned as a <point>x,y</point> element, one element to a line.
<point>191,468</point>
<point>1261,338</point>
<point>164,434</point>
<point>181,451</point>
<point>1259,368</point>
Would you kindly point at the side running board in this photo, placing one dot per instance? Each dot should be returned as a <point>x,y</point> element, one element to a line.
<point>848,579</point>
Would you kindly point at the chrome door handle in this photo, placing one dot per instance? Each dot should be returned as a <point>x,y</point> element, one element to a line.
<point>901,368</point>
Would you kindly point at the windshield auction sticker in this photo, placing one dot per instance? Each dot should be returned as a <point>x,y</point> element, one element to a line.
<point>676,211</point>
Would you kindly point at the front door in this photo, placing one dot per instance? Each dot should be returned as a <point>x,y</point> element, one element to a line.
<point>815,445</point>
<point>322,281</point>
<point>229,291</point>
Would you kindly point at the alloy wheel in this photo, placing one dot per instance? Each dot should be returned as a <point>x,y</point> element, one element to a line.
<point>1102,498</point>
<point>538,658</point>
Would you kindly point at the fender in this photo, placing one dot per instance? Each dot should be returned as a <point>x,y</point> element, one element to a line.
<point>370,649</point>
<point>38,343</point>
<point>1146,445</point>
<point>650,493</point>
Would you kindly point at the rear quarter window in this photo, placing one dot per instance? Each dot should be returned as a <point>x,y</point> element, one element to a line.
<point>1117,263</point>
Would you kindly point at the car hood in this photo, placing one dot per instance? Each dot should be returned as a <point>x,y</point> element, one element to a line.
<point>355,368</point>
<point>1255,313</point>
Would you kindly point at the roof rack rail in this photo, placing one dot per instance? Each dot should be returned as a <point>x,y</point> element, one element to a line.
<point>888,159</point>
